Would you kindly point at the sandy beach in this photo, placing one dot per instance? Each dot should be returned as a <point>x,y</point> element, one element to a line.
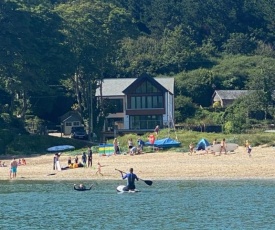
<point>155,166</point>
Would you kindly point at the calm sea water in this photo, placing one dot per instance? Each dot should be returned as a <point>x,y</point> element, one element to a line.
<point>246,204</point>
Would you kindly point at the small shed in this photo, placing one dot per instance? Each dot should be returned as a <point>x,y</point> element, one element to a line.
<point>69,120</point>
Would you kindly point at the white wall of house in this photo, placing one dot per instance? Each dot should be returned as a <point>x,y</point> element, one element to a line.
<point>126,121</point>
<point>168,117</point>
<point>67,126</point>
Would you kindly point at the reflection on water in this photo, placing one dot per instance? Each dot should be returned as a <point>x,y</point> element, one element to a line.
<point>164,205</point>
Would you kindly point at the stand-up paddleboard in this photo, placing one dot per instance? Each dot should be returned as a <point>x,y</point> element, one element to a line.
<point>230,147</point>
<point>57,166</point>
<point>60,148</point>
<point>120,189</point>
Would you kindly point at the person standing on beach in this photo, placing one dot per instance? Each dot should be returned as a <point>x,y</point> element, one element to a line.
<point>248,148</point>
<point>90,157</point>
<point>223,146</point>
<point>84,158</point>
<point>13,168</point>
<point>54,160</point>
<point>130,144</point>
<point>116,148</point>
<point>156,130</point>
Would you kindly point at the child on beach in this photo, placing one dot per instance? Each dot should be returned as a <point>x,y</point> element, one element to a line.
<point>191,148</point>
<point>99,166</point>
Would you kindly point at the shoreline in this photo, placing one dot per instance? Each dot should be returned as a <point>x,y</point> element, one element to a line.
<point>155,166</point>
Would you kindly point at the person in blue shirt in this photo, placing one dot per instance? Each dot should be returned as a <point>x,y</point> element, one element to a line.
<point>140,144</point>
<point>131,177</point>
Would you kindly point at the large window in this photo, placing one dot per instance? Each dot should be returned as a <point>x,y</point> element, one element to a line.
<point>146,102</point>
<point>146,87</point>
<point>145,122</point>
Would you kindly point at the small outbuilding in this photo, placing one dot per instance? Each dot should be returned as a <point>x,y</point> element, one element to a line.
<point>69,120</point>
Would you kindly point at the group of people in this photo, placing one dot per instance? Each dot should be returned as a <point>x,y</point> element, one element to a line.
<point>222,147</point>
<point>86,160</point>
<point>135,149</point>
<point>22,161</point>
<point>132,148</point>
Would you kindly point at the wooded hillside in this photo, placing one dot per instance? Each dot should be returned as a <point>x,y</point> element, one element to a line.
<point>51,51</point>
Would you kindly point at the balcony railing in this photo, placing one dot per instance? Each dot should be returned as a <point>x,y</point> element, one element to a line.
<point>136,125</point>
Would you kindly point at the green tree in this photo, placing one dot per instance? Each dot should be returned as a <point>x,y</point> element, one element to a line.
<point>185,108</point>
<point>239,43</point>
<point>93,30</point>
<point>196,84</point>
<point>30,51</point>
<point>262,80</point>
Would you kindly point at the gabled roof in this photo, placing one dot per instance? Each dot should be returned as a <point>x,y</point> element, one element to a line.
<point>71,116</point>
<point>229,94</point>
<point>144,77</point>
<point>116,86</point>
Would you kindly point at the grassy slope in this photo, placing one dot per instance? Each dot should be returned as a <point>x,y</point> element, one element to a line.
<point>38,144</point>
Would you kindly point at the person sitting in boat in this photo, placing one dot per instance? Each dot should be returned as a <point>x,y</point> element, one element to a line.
<point>81,187</point>
<point>131,177</point>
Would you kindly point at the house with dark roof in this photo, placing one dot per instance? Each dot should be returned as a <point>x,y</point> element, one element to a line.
<point>227,97</point>
<point>141,103</point>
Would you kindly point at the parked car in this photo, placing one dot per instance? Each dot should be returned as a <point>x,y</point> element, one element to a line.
<point>79,133</point>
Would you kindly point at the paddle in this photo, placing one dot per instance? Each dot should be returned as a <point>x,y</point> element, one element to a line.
<point>148,182</point>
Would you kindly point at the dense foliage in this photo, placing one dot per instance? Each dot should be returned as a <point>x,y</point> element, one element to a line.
<point>54,53</point>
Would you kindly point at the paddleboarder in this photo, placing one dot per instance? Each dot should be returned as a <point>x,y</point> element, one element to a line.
<point>131,177</point>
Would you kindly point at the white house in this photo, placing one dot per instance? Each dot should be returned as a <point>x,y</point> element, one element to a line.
<point>141,103</point>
